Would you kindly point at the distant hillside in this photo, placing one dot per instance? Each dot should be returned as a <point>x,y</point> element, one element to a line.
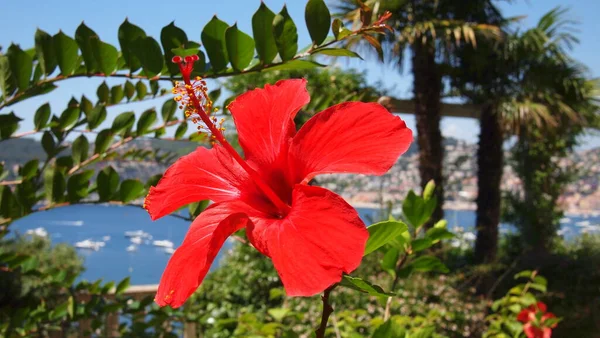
<point>18,151</point>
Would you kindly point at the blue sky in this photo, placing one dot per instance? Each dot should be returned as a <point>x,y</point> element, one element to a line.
<point>18,23</point>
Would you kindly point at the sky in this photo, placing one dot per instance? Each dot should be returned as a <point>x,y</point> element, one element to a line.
<point>19,23</point>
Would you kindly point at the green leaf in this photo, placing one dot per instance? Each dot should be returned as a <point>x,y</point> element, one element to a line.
<point>6,85</point>
<point>108,183</point>
<point>66,53</point>
<point>336,52</point>
<point>389,329</point>
<point>429,189</point>
<point>168,110</point>
<point>130,190</point>
<point>184,52</point>
<point>213,38</point>
<point>441,224</point>
<point>21,66</point>
<point>297,65</point>
<point>338,29</point>
<point>279,313</point>
<point>84,36</point>
<point>148,51</point>
<point>426,264</point>
<point>437,234</point>
<point>62,310</point>
<point>122,286</point>
<point>141,90</point>
<point>154,87</point>
<point>417,210</point>
<point>116,94</point>
<point>363,286</point>
<point>240,47</point>
<point>425,332</point>
<point>48,143</point>
<point>41,117</point>
<point>286,35</point>
<point>382,233</point>
<point>103,141</point>
<point>129,89</point>
<point>197,207</point>
<point>172,37</point>
<point>181,130</point>
<point>78,185</point>
<point>146,121</point>
<point>128,33</point>
<point>540,280</point>
<point>317,19</point>
<point>58,185</point>
<point>421,244</point>
<point>29,169</point>
<point>96,116</point>
<point>69,118</point>
<point>106,56</point>
<point>44,47</point>
<point>80,149</point>
<point>123,122</point>
<point>524,274</point>
<point>390,259</point>
<point>262,30</point>
<point>103,92</point>
<point>9,123</point>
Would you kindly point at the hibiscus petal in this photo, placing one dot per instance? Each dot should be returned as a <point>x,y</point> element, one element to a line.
<point>320,239</point>
<point>542,307</point>
<point>533,332</point>
<point>192,260</point>
<point>524,315</point>
<point>203,174</point>
<point>352,137</point>
<point>264,118</point>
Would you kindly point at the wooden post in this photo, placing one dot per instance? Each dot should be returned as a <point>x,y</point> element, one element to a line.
<point>189,330</point>
<point>112,325</point>
<point>85,328</point>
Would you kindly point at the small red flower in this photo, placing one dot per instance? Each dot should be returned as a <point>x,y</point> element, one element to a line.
<point>312,235</point>
<point>533,327</point>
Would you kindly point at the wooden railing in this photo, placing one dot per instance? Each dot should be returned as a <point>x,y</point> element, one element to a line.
<point>136,292</point>
<point>448,109</point>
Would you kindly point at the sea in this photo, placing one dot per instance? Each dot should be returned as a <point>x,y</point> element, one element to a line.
<point>116,255</point>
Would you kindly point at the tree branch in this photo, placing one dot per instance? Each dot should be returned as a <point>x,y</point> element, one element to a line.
<point>327,311</point>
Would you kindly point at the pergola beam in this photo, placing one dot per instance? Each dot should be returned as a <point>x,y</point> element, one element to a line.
<point>448,109</point>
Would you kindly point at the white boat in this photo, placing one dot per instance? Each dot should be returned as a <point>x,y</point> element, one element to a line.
<point>89,244</point>
<point>136,240</point>
<point>583,224</point>
<point>138,233</point>
<point>106,238</point>
<point>131,248</point>
<point>565,220</point>
<point>164,243</point>
<point>37,232</point>
<point>169,251</point>
<point>469,236</point>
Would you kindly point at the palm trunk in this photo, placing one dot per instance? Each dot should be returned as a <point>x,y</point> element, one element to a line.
<point>427,96</point>
<point>490,160</point>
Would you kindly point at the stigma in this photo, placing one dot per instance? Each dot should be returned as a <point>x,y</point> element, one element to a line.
<point>203,105</point>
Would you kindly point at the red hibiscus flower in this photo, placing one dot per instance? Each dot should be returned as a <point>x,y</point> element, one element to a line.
<point>534,327</point>
<point>312,235</point>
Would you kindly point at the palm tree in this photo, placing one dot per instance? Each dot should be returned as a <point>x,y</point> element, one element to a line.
<point>431,30</point>
<point>525,80</point>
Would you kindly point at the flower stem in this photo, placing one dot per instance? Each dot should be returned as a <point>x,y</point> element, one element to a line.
<point>327,311</point>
